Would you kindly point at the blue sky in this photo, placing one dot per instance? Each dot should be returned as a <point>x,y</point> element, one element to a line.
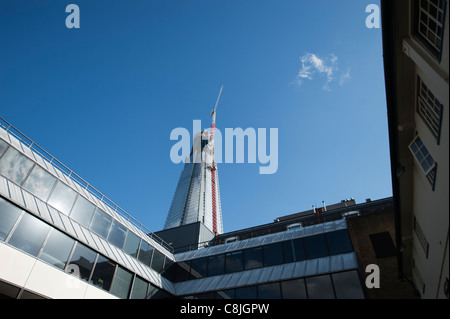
<point>104,98</point>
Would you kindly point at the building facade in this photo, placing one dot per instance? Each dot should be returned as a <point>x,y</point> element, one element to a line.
<point>416,63</point>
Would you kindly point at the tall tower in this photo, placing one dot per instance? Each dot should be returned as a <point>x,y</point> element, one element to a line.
<point>197,196</point>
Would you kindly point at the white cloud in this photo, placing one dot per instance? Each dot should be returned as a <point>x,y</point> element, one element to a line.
<point>313,65</point>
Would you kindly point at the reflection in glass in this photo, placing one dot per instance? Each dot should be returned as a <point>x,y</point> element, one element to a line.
<point>145,252</point>
<point>29,234</point>
<point>117,234</point>
<point>199,267</point>
<point>57,249</point>
<point>293,289</point>
<point>101,223</point>
<point>103,273</point>
<point>8,217</point>
<point>273,254</point>
<point>81,262</point>
<point>319,287</point>
<point>299,250</point>
<point>347,285</point>
<point>122,283</point>
<point>82,211</point>
<point>216,265</point>
<point>234,262</point>
<point>140,288</point>
<point>15,166</point>
<point>3,146</point>
<point>339,242</point>
<point>158,260</point>
<point>40,182</point>
<point>62,198</point>
<point>253,258</point>
<point>269,291</point>
<point>315,246</point>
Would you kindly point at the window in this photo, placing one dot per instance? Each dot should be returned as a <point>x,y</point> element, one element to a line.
<point>158,260</point>
<point>288,251</point>
<point>234,261</point>
<point>199,267</point>
<point>299,249</point>
<point>293,289</point>
<point>82,211</point>
<point>81,262</point>
<point>101,223</point>
<point>246,293</point>
<point>347,285</point>
<point>338,242</point>
<point>103,273</point>
<point>319,287</point>
<point>122,283</point>
<point>424,159</point>
<point>430,25</point>
<point>3,146</point>
<point>140,287</point>
<point>145,252</point>
<point>15,166</point>
<point>8,217</point>
<point>216,265</point>
<point>62,198</point>
<point>253,258</point>
<point>429,109</point>
<point>40,182</point>
<point>273,254</point>
<point>421,237</point>
<point>315,246</point>
<point>269,291</point>
<point>132,244</point>
<point>57,249</point>
<point>117,234</point>
<point>29,235</point>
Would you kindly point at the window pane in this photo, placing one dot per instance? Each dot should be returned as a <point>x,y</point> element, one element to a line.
<point>246,293</point>
<point>199,266</point>
<point>347,285</point>
<point>122,283</point>
<point>117,234</point>
<point>319,287</point>
<point>293,289</point>
<point>299,249</point>
<point>273,254</point>
<point>40,182</point>
<point>253,258</point>
<point>82,261</point>
<point>15,166</point>
<point>3,146</point>
<point>339,242</point>
<point>132,244</point>
<point>216,265</point>
<point>158,261</point>
<point>82,211</point>
<point>29,234</point>
<point>140,288</point>
<point>62,198</point>
<point>234,262</point>
<point>103,273</point>
<point>269,291</point>
<point>101,223</point>
<point>8,217</point>
<point>315,246</point>
<point>288,251</point>
<point>145,251</point>
<point>57,249</point>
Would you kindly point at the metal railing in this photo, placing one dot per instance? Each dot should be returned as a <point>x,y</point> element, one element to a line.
<point>79,180</point>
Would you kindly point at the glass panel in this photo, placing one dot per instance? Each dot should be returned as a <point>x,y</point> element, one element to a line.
<point>253,258</point>
<point>132,244</point>
<point>29,235</point>
<point>15,166</point>
<point>234,261</point>
<point>339,242</point>
<point>288,251</point>
<point>117,234</point>
<point>226,294</point>
<point>269,291</point>
<point>57,249</point>
<point>82,261</point>
<point>145,251</point>
<point>3,146</point>
<point>103,273</point>
<point>273,254</point>
<point>299,249</point>
<point>199,267</point>
<point>122,283</point>
<point>246,293</point>
<point>140,287</point>
<point>8,217</point>
<point>293,289</point>
<point>82,211</point>
<point>62,198</point>
<point>158,260</point>
<point>40,182</point>
<point>315,246</point>
<point>101,223</point>
<point>319,287</point>
<point>347,285</point>
<point>216,265</point>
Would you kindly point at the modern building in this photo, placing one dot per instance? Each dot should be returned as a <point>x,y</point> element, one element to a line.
<point>416,62</point>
